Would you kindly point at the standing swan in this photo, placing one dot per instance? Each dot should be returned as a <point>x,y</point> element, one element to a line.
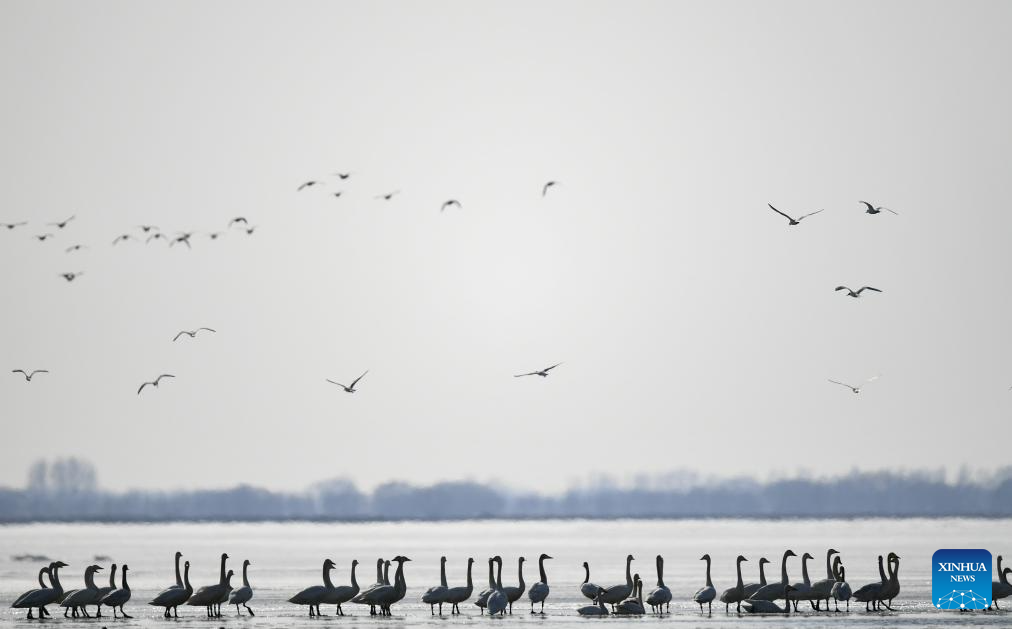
<point>45,595</point>
<point>208,595</point>
<point>752,588</point>
<point>119,597</point>
<point>498,601</point>
<point>19,603</point>
<point>1000,588</point>
<point>344,593</point>
<point>172,597</point>
<point>513,594</point>
<point>105,590</point>
<point>774,591</point>
<point>618,593</point>
<point>868,594</point>
<point>387,595</point>
<point>380,582</point>
<point>891,589</point>
<point>539,591</point>
<point>802,590</point>
<point>588,589</point>
<point>660,596</point>
<point>458,595</point>
<point>737,593</point>
<point>841,589</point>
<point>706,593</point>
<point>82,598</point>
<point>436,595</point>
<point>482,600</point>
<point>243,594</point>
<point>823,588</point>
<point>313,595</point>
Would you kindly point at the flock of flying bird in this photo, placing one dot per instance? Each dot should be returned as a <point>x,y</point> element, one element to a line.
<point>623,598</point>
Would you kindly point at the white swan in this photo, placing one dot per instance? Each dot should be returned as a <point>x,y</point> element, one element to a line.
<point>76,599</point>
<point>594,610</point>
<point>752,588</point>
<point>774,591</point>
<point>1000,588</point>
<point>498,601</point>
<point>102,591</point>
<point>618,593</point>
<point>707,593</point>
<point>482,600</point>
<point>891,589</point>
<point>824,587</point>
<point>381,580</point>
<point>588,589</point>
<point>209,595</point>
<point>737,593</point>
<point>754,606</point>
<point>458,595</point>
<point>120,596</point>
<point>172,597</point>
<point>30,595</point>
<point>660,596</point>
<point>869,593</point>
<point>539,591</point>
<point>841,589</point>
<point>343,593</point>
<point>243,594</point>
<point>387,595</point>
<point>313,595</point>
<point>633,605</point>
<point>802,591</point>
<point>513,594</point>
<point>436,595</point>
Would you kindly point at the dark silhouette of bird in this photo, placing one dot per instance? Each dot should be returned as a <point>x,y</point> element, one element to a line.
<point>349,388</point>
<point>62,224</point>
<point>191,333</point>
<point>250,230</point>
<point>28,374</point>
<point>147,228</point>
<point>13,225</point>
<point>858,292</point>
<point>308,184</point>
<point>792,221</point>
<point>548,185</point>
<point>388,196</point>
<point>541,372</point>
<point>76,248</point>
<point>70,277</point>
<point>43,237</point>
<point>156,236</point>
<point>450,203</point>
<point>183,238</point>
<point>122,238</point>
<point>338,193</point>
<point>237,220</point>
<point>155,382</point>
<point>871,209</point>
<point>856,389</point>
<point>343,176</point>
<point>214,235</point>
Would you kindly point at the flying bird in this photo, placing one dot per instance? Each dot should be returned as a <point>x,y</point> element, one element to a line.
<point>62,224</point>
<point>548,185</point>
<point>155,382</point>
<point>70,277</point>
<point>250,230</point>
<point>147,228</point>
<point>214,235</point>
<point>876,210</point>
<point>123,237</point>
<point>238,219</point>
<point>76,248</point>
<point>543,372</point>
<point>338,193</point>
<point>307,185</point>
<point>450,203</point>
<point>856,389</point>
<point>28,374</point>
<point>349,389</point>
<point>183,238</point>
<point>793,221</point>
<point>13,225</point>
<point>191,333</point>
<point>343,176</point>
<point>857,293</point>
<point>43,237</point>
<point>388,196</point>
<point>156,236</point>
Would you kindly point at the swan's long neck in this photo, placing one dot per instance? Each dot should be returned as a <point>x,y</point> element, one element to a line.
<point>400,585</point>
<point>709,583</point>
<point>386,573</point>
<point>498,575</point>
<point>520,569</point>
<point>541,569</point>
<point>89,579</point>
<point>245,568</point>
<point>326,577</point>
<point>829,566</point>
<point>741,584</point>
<point>442,572</point>
<point>354,581</point>
<point>586,578</point>
<point>762,573</point>
<point>126,586</point>
<point>894,571</point>
<point>179,579</point>
<point>804,570</point>
<point>1001,573</point>
<point>224,558</point>
<point>45,571</point>
<point>628,571</point>
<point>186,579</point>
<point>55,577</point>
<point>660,571</point>
<point>783,569</point>
<point>881,572</point>
<point>470,585</point>
<point>112,577</point>
<point>379,571</point>
<point>491,574</point>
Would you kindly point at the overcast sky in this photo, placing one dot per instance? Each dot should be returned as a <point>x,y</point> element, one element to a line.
<point>697,329</point>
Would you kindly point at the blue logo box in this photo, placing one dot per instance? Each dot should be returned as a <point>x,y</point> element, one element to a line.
<point>961,579</point>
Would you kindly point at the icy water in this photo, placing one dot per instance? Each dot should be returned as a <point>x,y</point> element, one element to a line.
<point>288,556</point>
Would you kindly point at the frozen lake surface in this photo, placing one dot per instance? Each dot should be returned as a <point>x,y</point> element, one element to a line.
<point>288,556</point>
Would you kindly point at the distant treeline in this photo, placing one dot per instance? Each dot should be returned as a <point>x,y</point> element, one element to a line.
<point>61,496</point>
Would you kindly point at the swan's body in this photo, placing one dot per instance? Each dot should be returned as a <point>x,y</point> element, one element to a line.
<point>633,605</point>
<point>314,595</point>
<point>456,596</point>
<point>242,595</point>
<point>173,596</point>
<point>343,593</point>
<point>39,598</point>
<point>436,595</point>
<point>384,597</point>
<point>775,591</point>
<point>498,600</point>
<point>752,588</point>
<point>594,610</point>
<point>80,599</point>
<point>737,593</point>
<point>382,570</point>
<point>869,593</point>
<point>539,591</point>
<point>823,588</point>
<point>209,595</point>
<point>119,596</point>
<point>802,591</point>
<point>707,593</point>
<point>841,589</point>
<point>660,596</point>
<point>618,593</point>
<point>754,606</point>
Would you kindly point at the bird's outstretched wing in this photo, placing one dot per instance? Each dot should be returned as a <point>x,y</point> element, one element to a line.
<point>238,219</point>
<point>164,375</point>
<point>779,212</point>
<point>306,185</point>
<point>208,329</point>
<point>548,185</point>
<point>863,288</point>
<point>176,338</point>
<point>521,375</point>
<point>842,384</point>
<point>888,210</point>
<point>38,371</point>
<point>20,371</point>
<point>355,381</point>
<point>843,288</point>
<point>142,387</point>
<point>552,367</point>
<point>337,383</point>
<point>870,207</point>
<point>810,214</point>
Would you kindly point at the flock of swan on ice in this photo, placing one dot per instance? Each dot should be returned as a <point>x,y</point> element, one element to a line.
<point>624,598</point>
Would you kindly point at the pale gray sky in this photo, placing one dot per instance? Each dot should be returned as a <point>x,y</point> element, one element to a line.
<point>697,328</point>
